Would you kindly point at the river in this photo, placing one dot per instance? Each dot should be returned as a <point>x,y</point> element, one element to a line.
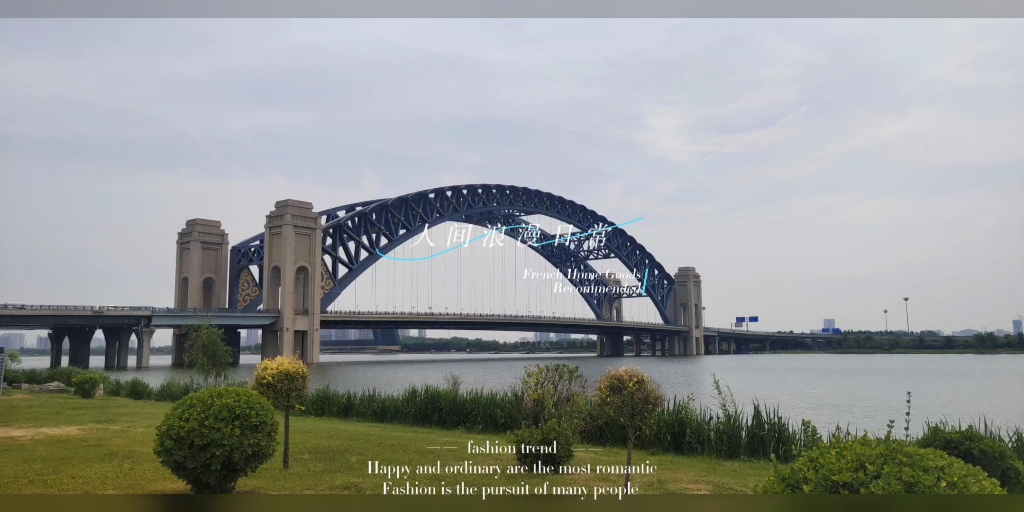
<point>859,391</point>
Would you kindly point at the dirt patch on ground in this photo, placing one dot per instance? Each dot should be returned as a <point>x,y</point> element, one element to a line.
<point>36,433</point>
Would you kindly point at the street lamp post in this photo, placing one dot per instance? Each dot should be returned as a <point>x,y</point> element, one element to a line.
<point>907,308</point>
<point>886,311</point>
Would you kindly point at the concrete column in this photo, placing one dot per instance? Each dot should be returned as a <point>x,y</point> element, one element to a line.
<point>292,270</point>
<point>79,341</point>
<point>233,338</point>
<point>201,272</point>
<point>56,346</point>
<point>116,353</point>
<point>178,348</point>
<point>144,336</point>
<point>124,348</point>
<point>110,348</point>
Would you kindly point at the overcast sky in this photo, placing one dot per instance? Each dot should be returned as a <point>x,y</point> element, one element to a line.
<point>808,169</point>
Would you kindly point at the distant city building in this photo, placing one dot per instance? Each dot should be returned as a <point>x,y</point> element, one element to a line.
<point>965,332</point>
<point>1002,332</point>
<point>1017,327</point>
<point>562,336</point>
<point>252,337</point>
<point>422,333</point>
<point>12,340</point>
<point>542,336</point>
<point>830,323</point>
<point>404,333</point>
<point>365,334</point>
<point>42,342</point>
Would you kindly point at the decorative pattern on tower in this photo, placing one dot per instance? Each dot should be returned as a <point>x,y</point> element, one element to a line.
<point>326,281</point>
<point>248,288</point>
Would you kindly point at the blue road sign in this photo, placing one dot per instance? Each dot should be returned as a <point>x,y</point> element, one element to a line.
<point>741,319</point>
<point>752,319</point>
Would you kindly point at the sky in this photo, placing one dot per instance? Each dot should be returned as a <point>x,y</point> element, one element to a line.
<point>808,169</point>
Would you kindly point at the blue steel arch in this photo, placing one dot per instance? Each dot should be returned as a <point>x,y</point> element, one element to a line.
<point>354,233</point>
<point>249,253</point>
<point>354,242</point>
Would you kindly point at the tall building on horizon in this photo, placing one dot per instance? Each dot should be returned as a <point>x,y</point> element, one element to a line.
<point>1017,328</point>
<point>422,333</point>
<point>12,340</point>
<point>42,342</point>
<point>830,323</point>
<point>252,337</point>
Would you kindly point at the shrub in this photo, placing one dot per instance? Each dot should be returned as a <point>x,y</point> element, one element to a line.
<point>173,390</point>
<point>975,448</point>
<point>114,387</point>
<point>64,374</point>
<point>86,384</point>
<point>552,437</point>
<point>137,389</point>
<point>14,376</point>
<point>553,405</point>
<point>212,438</point>
<point>877,466</point>
<point>283,380</point>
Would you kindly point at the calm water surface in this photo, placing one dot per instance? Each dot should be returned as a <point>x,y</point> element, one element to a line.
<point>862,391</point>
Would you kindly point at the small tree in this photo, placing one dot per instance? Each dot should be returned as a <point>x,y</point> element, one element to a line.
<point>207,352</point>
<point>283,380</point>
<point>629,396</point>
<point>554,402</point>
<point>12,361</point>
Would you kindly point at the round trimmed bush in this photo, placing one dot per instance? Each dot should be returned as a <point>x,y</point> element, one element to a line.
<point>212,438</point>
<point>877,466</point>
<point>977,449</point>
<point>86,384</point>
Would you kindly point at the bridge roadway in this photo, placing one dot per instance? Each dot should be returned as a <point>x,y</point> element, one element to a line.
<point>118,323</point>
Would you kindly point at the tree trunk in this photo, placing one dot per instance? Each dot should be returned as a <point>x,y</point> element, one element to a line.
<point>629,457</point>
<point>287,417</point>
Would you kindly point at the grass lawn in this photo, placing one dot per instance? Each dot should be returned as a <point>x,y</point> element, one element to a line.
<point>65,444</point>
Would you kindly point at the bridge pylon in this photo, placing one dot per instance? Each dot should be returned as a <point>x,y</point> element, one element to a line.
<point>612,344</point>
<point>294,283</point>
<point>689,313</point>
<point>200,276</point>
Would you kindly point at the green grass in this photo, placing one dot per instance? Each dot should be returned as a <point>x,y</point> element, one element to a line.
<point>65,444</point>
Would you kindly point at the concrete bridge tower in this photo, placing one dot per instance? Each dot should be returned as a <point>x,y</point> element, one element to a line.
<point>612,344</point>
<point>689,313</point>
<point>293,268</point>
<point>201,271</point>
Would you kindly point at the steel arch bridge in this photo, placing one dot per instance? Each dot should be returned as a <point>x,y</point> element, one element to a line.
<point>357,235</point>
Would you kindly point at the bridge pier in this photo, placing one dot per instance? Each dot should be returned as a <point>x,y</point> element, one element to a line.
<point>56,346</point>
<point>117,346</point>
<point>144,336</point>
<point>79,342</point>
<point>612,345</point>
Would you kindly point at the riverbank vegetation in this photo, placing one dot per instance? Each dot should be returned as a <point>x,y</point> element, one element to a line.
<point>64,444</point>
